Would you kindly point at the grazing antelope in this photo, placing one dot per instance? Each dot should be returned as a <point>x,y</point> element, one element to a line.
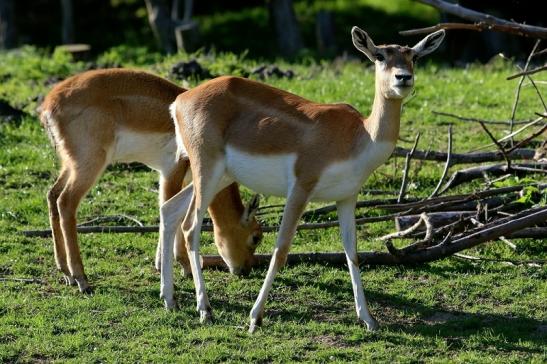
<point>277,143</point>
<point>100,117</point>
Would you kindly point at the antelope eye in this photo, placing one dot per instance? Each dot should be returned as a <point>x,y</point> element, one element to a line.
<point>379,57</point>
<point>415,58</point>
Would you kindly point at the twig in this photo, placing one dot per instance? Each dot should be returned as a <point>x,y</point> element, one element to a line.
<point>407,167</point>
<point>538,92</point>
<point>448,26</point>
<point>115,218</point>
<point>500,147</point>
<point>406,232</point>
<point>529,72</point>
<point>509,261</point>
<point>462,118</point>
<point>519,86</point>
<point>540,53</point>
<point>527,140</point>
<point>533,122</point>
<point>506,241</point>
<point>447,164</point>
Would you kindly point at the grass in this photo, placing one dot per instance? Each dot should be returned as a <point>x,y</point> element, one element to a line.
<point>449,310</point>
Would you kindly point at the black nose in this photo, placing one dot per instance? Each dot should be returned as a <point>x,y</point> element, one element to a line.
<point>403,77</point>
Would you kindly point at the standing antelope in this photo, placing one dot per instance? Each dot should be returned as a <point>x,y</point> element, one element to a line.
<point>277,143</point>
<point>105,116</point>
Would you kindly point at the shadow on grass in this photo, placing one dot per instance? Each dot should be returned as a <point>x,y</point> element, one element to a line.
<point>396,314</point>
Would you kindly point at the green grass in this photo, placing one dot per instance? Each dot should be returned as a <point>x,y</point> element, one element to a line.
<point>448,310</point>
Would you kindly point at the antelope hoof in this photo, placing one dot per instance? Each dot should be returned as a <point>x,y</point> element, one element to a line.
<point>372,324</point>
<point>84,286</point>
<point>255,323</point>
<point>206,316</point>
<point>170,304</point>
<point>68,280</point>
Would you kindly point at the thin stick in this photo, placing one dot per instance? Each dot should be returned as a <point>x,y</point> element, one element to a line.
<point>506,241</point>
<point>533,122</point>
<point>527,140</point>
<point>529,72</point>
<point>500,147</point>
<point>403,233</point>
<point>447,164</point>
<point>116,218</point>
<point>519,86</point>
<point>462,118</point>
<point>538,93</point>
<point>448,26</point>
<point>509,261</point>
<point>407,167</point>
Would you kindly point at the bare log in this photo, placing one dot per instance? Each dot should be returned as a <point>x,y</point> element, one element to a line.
<point>436,219</point>
<point>465,158</point>
<point>493,22</point>
<point>469,174</point>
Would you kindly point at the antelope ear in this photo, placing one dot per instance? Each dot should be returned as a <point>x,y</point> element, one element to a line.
<point>429,43</point>
<point>364,43</point>
<point>251,209</point>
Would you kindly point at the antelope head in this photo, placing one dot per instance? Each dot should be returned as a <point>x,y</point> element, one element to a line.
<point>237,242</point>
<point>394,63</point>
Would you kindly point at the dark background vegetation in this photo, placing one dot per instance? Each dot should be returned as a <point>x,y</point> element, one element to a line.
<point>240,25</point>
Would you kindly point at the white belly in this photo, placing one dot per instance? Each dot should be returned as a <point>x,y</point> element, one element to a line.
<point>274,174</point>
<point>270,174</point>
<point>344,178</point>
<point>156,150</point>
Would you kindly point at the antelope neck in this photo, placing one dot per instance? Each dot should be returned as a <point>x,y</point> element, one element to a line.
<point>385,118</point>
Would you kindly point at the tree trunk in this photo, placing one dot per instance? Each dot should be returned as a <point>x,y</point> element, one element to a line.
<point>7,24</point>
<point>284,20</point>
<point>68,22</point>
<point>159,17</point>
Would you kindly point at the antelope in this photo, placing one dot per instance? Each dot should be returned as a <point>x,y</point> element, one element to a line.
<point>277,143</point>
<point>116,115</point>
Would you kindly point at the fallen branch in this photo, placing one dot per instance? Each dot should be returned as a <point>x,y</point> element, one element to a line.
<point>442,250</point>
<point>436,219</point>
<point>470,174</point>
<point>466,158</point>
<point>495,23</point>
<point>479,27</point>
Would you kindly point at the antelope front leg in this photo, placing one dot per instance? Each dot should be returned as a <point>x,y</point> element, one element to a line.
<point>346,216</point>
<point>293,210</point>
<point>171,214</point>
